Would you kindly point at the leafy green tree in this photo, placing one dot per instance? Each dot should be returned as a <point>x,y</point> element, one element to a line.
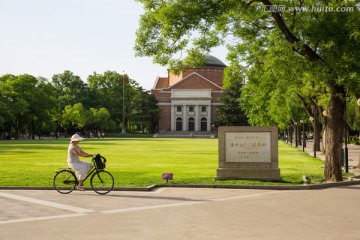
<point>144,111</point>
<point>230,112</point>
<point>69,90</point>
<point>108,89</point>
<point>275,90</point>
<point>100,119</point>
<point>41,104</point>
<point>3,109</point>
<point>140,106</point>
<point>74,117</point>
<point>19,94</point>
<point>27,102</point>
<point>6,99</point>
<point>324,41</point>
<point>353,115</point>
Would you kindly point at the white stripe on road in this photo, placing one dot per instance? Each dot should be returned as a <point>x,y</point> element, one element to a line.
<point>153,207</point>
<point>191,202</point>
<point>248,195</point>
<point>45,203</point>
<point>42,218</point>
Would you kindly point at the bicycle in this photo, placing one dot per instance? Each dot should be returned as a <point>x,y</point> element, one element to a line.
<point>101,181</point>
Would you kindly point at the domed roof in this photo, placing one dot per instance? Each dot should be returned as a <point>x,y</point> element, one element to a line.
<point>213,61</point>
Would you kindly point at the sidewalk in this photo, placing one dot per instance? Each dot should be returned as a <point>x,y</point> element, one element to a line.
<point>353,156</point>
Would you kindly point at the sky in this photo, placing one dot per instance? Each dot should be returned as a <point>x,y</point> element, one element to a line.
<point>47,37</point>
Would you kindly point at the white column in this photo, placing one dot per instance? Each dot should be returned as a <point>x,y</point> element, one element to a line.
<point>185,124</point>
<point>208,128</point>
<point>197,120</point>
<point>173,118</point>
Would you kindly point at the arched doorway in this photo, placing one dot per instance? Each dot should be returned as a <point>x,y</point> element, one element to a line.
<point>191,124</point>
<point>179,124</point>
<point>203,124</point>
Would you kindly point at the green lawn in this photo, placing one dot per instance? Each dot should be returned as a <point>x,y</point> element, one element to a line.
<point>139,162</point>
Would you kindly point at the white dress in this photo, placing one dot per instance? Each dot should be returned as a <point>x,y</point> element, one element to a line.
<point>75,163</point>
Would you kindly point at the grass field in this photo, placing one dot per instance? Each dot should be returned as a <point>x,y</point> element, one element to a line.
<point>139,162</point>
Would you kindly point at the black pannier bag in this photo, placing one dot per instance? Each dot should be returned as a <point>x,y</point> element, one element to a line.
<point>99,162</point>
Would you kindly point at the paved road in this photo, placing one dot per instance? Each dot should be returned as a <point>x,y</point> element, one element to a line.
<point>182,213</point>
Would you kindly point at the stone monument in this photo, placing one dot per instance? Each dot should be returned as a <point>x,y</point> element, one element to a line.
<point>248,153</point>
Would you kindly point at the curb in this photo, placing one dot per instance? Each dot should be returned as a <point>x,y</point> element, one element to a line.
<point>152,187</point>
<point>297,187</point>
<point>140,189</point>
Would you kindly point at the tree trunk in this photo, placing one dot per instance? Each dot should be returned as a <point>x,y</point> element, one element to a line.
<point>317,128</point>
<point>334,133</point>
<point>323,123</point>
<point>323,145</point>
<point>290,135</point>
<point>299,130</point>
<point>296,132</point>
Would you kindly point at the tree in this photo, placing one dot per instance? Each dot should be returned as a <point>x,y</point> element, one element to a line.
<point>41,105</point>
<point>275,90</point>
<point>108,89</point>
<point>144,111</point>
<point>353,115</point>
<point>100,119</point>
<point>30,105</point>
<point>140,106</point>
<point>6,100</point>
<point>28,101</point>
<point>325,41</point>
<point>69,90</point>
<point>230,112</point>
<point>74,116</point>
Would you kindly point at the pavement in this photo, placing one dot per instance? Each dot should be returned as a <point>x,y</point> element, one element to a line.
<point>353,156</point>
<point>184,213</point>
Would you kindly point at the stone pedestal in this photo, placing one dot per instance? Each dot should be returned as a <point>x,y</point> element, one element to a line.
<point>248,153</point>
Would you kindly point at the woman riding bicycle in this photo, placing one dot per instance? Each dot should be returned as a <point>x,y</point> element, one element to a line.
<point>81,167</point>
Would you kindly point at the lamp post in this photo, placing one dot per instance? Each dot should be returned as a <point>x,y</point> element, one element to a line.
<point>346,151</point>
<point>296,134</point>
<point>358,103</point>
<point>303,135</point>
<point>312,120</point>
<point>324,133</point>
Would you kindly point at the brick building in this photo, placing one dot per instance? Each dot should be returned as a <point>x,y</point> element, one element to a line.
<point>187,101</point>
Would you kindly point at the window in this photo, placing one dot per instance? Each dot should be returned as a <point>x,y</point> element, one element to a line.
<point>203,108</point>
<point>203,124</point>
<point>191,108</point>
<point>191,124</point>
<point>178,124</point>
<point>178,108</point>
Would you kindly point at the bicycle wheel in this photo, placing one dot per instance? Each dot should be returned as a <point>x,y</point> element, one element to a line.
<point>64,181</point>
<point>102,182</point>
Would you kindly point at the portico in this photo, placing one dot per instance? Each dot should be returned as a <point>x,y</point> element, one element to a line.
<point>188,101</point>
<point>190,110</point>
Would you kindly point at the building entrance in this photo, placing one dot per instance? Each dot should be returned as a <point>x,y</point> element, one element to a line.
<point>191,124</point>
<point>203,124</point>
<point>178,124</point>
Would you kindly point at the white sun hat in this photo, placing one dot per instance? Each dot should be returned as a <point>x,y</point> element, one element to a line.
<point>76,138</point>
